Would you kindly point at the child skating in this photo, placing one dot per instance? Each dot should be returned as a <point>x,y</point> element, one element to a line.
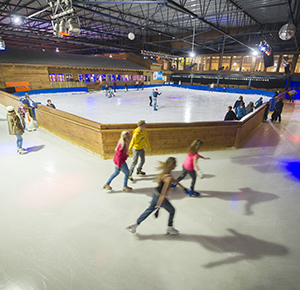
<point>159,196</point>
<point>120,158</point>
<point>190,166</point>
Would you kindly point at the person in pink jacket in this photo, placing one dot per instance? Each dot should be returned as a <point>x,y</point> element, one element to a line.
<point>120,158</point>
<point>190,166</point>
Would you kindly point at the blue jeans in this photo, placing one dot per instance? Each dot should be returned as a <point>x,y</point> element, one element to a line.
<point>166,205</point>
<point>124,169</point>
<point>19,140</point>
<point>155,103</point>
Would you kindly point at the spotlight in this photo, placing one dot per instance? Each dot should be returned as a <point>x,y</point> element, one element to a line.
<point>263,48</point>
<point>74,26</point>
<point>255,52</point>
<point>17,20</point>
<point>192,54</point>
<point>131,36</point>
<point>63,27</point>
<point>2,44</point>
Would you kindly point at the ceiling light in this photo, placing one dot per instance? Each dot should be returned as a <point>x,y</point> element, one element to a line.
<point>192,54</point>
<point>74,26</point>
<point>254,52</point>
<point>63,27</point>
<point>17,20</point>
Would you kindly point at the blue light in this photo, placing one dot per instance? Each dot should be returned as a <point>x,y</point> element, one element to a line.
<point>2,48</point>
<point>263,48</point>
<point>294,169</point>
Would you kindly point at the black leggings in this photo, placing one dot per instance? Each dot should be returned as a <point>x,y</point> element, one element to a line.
<point>191,173</point>
<point>150,98</point>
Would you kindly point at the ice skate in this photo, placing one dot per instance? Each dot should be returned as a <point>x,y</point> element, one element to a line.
<point>132,228</point>
<point>193,193</point>
<point>22,151</point>
<point>127,188</point>
<point>130,177</point>
<point>108,187</point>
<point>173,185</point>
<point>141,172</point>
<point>172,231</point>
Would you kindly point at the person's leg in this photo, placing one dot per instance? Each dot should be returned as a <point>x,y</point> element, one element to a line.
<point>142,160</point>
<point>114,175</point>
<point>155,102</point>
<point>150,209</point>
<point>193,176</point>
<point>125,170</point>
<point>19,141</point>
<point>150,98</point>
<point>182,175</point>
<point>279,116</point>
<point>169,208</point>
<point>134,160</point>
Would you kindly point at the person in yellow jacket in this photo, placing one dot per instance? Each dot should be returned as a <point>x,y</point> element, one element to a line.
<point>137,144</point>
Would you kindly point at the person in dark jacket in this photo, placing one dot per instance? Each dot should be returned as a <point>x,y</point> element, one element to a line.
<point>237,103</point>
<point>277,111</point>
<point>249,108</point>
<point>230,115</point>
<point>49,104</point>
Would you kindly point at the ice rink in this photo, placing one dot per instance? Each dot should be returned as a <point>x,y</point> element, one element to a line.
<point>175,105</point>
<point>61,231</point>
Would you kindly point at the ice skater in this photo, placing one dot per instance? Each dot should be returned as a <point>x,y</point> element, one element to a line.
<point>15,128</point>
<point>211,87</point>
<point>190,164</point>
<point>150,97</point>
<point>159,196</point>
<point>137,144</point>
<point>155,95</point>
<point>120,158</point>
<point>110,93</point>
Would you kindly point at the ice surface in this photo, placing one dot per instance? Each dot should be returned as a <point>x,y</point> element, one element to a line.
<point>175,105</point>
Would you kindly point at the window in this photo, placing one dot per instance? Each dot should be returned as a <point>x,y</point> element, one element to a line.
<point>93,78</point>
<point>81,78</point>
<point>60,78</point>
<point>285,59</point>
<point>87,78</point>
<point>104,78</point>
<point>113,78</point>
<point>226,62</point>
<point>69,77</point>
<point>259,64</point>
<point>215,63</point>
<point>246,65</point>
<point>99,78</point>
<point>52,78</point>
<point>180,63</point>
<point>236,63</point>
<point>297,68</point>
<point>206,62</point>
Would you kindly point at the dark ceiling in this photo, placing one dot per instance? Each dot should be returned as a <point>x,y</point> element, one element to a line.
<point>167,26</point>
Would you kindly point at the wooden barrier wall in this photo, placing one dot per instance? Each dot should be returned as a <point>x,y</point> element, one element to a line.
<point>164,138</point>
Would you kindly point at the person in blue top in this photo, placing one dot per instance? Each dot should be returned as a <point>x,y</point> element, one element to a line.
<point>241,111</point>
<point>259,102</point>
<point>237,103</point>
<point>150,97</point>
